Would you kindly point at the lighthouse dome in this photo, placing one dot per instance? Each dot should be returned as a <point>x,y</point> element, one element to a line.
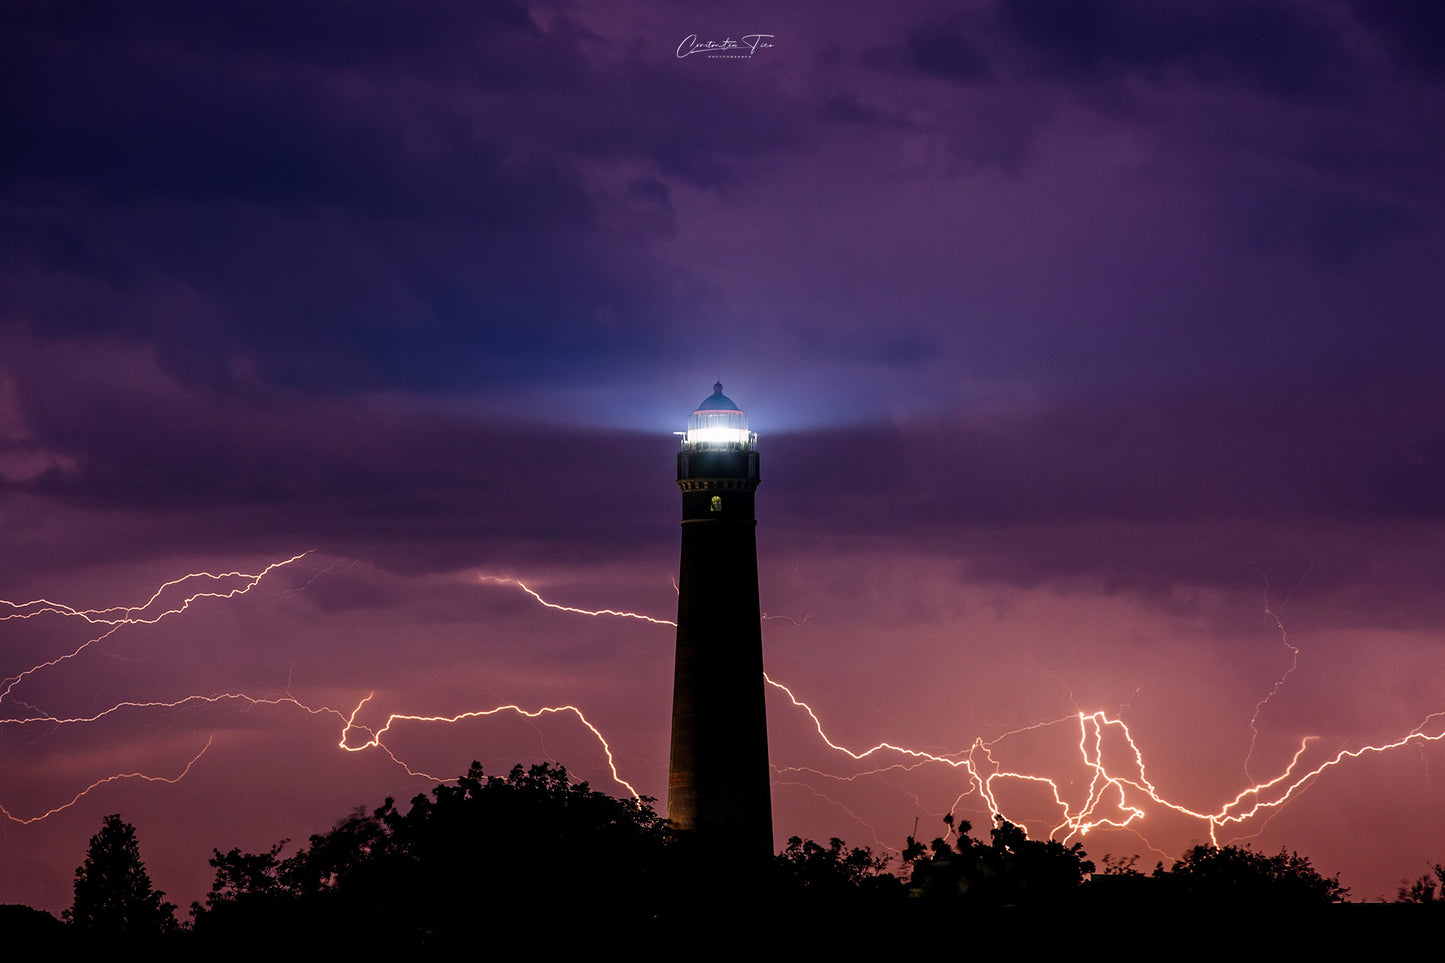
<point>718,423</point>
<point>717,401</point>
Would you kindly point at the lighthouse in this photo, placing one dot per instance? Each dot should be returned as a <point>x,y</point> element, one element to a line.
<point>718,785</point>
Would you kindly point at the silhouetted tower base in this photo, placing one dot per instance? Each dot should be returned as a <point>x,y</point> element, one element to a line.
<point>718,781</point>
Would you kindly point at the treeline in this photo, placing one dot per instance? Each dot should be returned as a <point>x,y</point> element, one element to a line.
<point>533,856</point>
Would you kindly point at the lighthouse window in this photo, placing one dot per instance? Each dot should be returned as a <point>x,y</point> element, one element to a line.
<point>717,503</point>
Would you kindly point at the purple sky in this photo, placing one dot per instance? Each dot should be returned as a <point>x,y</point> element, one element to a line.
<point>1080,336</point>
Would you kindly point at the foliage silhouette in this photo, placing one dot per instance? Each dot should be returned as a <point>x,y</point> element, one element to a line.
<point>1010,870</point>
<point>1423,889</point>
<point>113,892</point>
<point>249,882</point>
<point>831,866</point>
<point>1242,878</point>
<point>511,851</point>
<point>493,858</point>
<point>834,872</point>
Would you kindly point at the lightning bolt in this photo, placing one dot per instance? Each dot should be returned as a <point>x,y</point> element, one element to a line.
<point>1113,788</point>
<point>375,739</point>
<point>1119,795</point>
<point>119,616</point>
<point>1274,617</point>
<point>499,580</point>
<point>1116,798</point>
<point>801,620</point>
<point>24,821</point>
<point>148,613</point>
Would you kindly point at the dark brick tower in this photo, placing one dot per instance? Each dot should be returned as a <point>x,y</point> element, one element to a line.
<point>718,782</point>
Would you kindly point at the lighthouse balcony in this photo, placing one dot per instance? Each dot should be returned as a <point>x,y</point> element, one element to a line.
<point>718,463</point>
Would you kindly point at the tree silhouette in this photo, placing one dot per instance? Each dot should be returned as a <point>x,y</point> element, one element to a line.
<point>834,873</point>
<point>245,883</point>
<point>113,892</point>
<point>1423,889</point>
<point>510,851</point>
<point>1010,870</point>
<point>1240,877</point>
<point>831,867</point>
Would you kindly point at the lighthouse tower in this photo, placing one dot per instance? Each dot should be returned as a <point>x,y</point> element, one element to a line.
<point>718,786</point>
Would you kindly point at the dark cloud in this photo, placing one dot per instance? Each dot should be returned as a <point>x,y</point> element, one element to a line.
<point>652,196</point>
<point>1282,48</point>
<point>1334,228</point>
<point>369,35</point>
<point>946,50</point>
<point>411,208</point>
<point>848,108</point>
<point>684,122</point>
<point>1203,482</point>
<point>158,100</point>
<point>276,469</point>
<point>343,304</point>
<point>1413,31</point>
